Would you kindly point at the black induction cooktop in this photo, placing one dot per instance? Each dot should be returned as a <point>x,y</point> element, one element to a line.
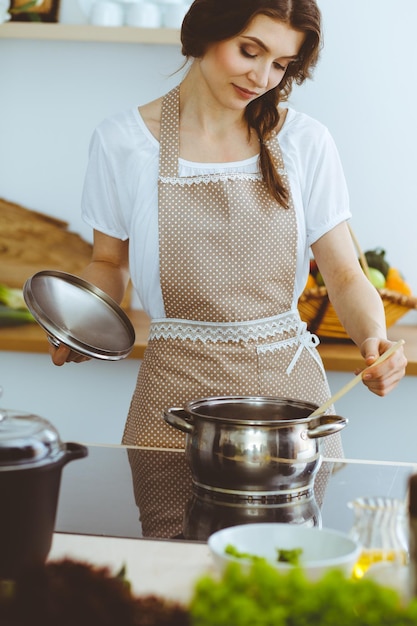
<point>148,493</point>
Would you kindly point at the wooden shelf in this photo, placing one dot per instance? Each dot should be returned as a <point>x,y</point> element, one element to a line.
<point>337,357</point>
<point>87,32</point>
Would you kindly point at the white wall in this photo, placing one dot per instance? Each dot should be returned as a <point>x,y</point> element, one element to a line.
<point>365,90</point>
<point>86,402</point>
<point>52,94</point>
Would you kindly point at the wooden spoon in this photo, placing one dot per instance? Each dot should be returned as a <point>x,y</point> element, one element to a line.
<point>321,409</point>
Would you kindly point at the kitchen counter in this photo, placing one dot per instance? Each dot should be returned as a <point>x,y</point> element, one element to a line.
<point>167,569</point>
<point>342,356</point>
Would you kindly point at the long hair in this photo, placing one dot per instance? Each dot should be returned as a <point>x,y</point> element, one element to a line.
<point>210,21</point>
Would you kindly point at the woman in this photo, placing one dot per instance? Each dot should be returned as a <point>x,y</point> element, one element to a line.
<point>211,198</point>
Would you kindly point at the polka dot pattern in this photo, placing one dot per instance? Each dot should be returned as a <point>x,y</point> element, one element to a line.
<point>231,227</point>
<point>162,489</point>
<point>227,254</point>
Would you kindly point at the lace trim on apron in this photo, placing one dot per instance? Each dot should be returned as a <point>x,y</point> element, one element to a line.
<point>251,330</point>
<point>208,178</point>
<point>212,178</point>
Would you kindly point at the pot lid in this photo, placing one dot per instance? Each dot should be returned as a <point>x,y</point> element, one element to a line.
<point>80,315</point>
<point>26,440</point>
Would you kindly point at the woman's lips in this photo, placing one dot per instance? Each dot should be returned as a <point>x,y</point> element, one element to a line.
<point>245,93</point>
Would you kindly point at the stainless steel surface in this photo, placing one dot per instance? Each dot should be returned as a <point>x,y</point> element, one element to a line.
<point>80,315</point>
<point>323,425</point>
<point>204,516</point>
<point>262,445</point>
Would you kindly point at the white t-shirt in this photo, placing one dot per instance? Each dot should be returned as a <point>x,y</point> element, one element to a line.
<point>120,196</point>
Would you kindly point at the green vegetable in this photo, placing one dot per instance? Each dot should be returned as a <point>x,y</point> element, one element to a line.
<point>13,309</point>
<point>11,297</point>
<point>263,596</point>
<point>233,551</point>
<point>289,556</point>
<point>377,278</point>
<point>376,259</point>
<point>122,576</point>
<point>283,555</point>
<point>14,317</point>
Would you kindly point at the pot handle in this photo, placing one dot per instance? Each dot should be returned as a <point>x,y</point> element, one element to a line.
<point>323,425</point>
<point>74,451</point>
<point>179,419</point>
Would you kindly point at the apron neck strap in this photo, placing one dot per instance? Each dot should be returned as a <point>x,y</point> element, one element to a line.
<point>169,142</point>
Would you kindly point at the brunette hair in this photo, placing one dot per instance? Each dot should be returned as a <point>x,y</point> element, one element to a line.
<point>210,21</point>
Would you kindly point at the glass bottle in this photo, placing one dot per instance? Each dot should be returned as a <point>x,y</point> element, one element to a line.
<point>380,528</point>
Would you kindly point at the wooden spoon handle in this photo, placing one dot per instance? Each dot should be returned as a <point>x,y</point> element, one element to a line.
<point>321,409</point>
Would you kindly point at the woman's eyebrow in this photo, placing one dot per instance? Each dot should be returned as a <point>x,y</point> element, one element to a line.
<point>261,44</point>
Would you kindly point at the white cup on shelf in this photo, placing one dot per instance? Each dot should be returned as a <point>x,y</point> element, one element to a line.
<point>143,15</point>
<point>105,13</point>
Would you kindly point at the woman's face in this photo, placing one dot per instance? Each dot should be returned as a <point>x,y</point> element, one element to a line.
<point>243,68</point>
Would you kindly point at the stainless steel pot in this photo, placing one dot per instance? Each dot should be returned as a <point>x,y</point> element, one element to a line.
<point>31,461</point>
<point>203,516</point>
<point>262,445</point>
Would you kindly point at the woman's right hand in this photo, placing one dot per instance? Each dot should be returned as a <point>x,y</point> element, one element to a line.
<point>63,354</point>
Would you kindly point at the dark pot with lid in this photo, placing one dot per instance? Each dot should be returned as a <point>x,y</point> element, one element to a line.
<point>237,445</point>
<point>32,457</point>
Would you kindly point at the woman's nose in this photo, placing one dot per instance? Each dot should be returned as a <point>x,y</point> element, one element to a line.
<point>260,75</point>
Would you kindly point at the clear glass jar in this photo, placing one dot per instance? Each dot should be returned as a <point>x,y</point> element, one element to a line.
<point>380,526</point>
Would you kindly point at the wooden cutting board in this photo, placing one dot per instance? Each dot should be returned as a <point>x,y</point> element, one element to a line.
<point>31,241</point>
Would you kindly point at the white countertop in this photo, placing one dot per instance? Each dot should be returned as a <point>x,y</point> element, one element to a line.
<point>168,569</point>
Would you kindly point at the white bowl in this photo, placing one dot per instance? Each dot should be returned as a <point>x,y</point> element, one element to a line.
<point>322,549</point>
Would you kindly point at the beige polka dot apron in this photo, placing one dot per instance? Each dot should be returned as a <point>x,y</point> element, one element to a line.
<point>227,254</point>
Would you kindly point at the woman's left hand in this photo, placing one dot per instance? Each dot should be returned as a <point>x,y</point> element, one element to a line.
<point>382,378</point>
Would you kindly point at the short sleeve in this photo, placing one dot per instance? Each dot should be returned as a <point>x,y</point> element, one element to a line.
<point>326,192</point>
<point>101,204</point>
<point>317,183</point>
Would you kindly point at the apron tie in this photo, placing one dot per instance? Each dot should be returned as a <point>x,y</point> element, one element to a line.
<point>306,340</point>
